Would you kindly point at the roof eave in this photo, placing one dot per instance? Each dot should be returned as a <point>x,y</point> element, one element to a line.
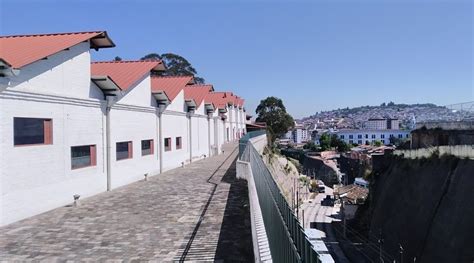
<point>102,40</point>
<point>106,84</point>
<point>161,97</point>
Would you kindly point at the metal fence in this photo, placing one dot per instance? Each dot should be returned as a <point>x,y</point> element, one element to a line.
<point>245,139</point>
<point>286,237</point>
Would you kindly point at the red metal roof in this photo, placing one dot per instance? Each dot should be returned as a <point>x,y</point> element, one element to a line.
<point>217,98</point>
<point>21,50</point>
<point>197,93</point>
<point>125,73</point>
<point>171,85</point>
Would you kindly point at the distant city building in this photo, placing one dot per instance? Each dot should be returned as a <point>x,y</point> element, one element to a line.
<point>382,124</point>
<point>300,134</point>
<point>369,136</point>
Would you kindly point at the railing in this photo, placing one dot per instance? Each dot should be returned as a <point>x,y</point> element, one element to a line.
<point>245,139</point>
<point>286,237</point>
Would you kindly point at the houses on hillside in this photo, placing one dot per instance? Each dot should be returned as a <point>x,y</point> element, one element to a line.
<point>70,126</point>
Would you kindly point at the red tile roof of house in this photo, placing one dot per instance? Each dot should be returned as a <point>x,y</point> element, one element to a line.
<point>21,50</point>
<point>217,98</point>
<point>125,73</point>
<point>171,85</point>
<point>198,93</point>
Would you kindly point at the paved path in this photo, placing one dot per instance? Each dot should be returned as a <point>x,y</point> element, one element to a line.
<point>323,216</point>
<point>196,213</point>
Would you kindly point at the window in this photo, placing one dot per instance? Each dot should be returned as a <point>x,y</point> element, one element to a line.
<point>373,136</point>
<point>167,144</point>
<point>400,136</point>
<point>124,150</point>
<point>391,136</point>
<point>351,141</point>
<point>383,141</point>
<point>342,136</point>
<point>359,136</point>
<point>147,147</point>
<point>351,136</point>
<point>366,136</point>
<point>408,135</point>
<point>178,143</point>
<point>83,156</point>
<point>359,141</point>
<point>29,131</point>
<point>382,136</point>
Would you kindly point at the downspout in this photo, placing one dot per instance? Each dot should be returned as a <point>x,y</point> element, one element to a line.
<point>108,146</point>
<point>226,136</point>
<point>209,132</point>
<point>161,109</point>
<point>190,112</point>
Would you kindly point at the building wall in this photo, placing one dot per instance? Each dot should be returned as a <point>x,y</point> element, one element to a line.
<point>66,73</point>
<point>38,178</point>
<point>371,136</point>
<point>130,124</point>
<point>175,124</point>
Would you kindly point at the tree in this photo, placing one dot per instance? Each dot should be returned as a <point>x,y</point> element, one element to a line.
<point>378,143</point>
<point>325,142</point>
<point>117,58</point>
<point>176,65</point>
<point>272,111</point>
<point>151,56</point>
<point>310,146</point>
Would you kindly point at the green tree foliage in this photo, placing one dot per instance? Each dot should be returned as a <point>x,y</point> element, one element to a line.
<point>272,111</point>
<point>328,142</point>
<point>378,143</point>
<point>176,65</point>
<point>325,142</point>
<point>310,146</point>
<point>117,58</point>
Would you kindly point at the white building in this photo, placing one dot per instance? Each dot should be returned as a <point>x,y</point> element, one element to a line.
<point>52,122</point>
<point>371,136</point>
<point>300,134</point>
<point>72,127</point>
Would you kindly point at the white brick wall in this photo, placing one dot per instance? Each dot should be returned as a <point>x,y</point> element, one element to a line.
<point>35,179</point>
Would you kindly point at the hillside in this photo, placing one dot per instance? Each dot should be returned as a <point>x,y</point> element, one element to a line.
<point>407,113</point>
<point>425,205</point>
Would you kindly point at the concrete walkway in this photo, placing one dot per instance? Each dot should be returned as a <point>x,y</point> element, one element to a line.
<point>196,213</point>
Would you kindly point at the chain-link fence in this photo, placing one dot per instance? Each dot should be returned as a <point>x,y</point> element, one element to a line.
<point>286,236</point>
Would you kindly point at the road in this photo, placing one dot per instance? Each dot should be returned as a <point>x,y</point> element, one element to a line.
<point>323,216</point>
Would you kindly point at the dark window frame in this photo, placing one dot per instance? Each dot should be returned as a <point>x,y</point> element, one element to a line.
<point>167,148</point>
<point>179,143</point>
<point>47,130</point>
<point>129,150</point>
<point>151,149</point>
<point>92,156</point>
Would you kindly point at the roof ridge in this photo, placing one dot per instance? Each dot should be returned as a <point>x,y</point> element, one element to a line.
<point>124,61</point>
<point>173,76</point>
<point>52,34</point>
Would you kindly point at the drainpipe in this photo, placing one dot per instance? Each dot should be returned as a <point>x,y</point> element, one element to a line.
<point>108,146</point>
<point>190,113</point>
<point>209,115</point>
<point>161,109</point>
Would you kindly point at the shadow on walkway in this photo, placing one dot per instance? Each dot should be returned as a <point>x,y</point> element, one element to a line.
<point>235,238</point>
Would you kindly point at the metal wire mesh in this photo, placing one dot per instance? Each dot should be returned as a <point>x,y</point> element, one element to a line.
<point>286,237</point>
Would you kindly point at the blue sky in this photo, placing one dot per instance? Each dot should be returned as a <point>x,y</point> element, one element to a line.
<point>315,55</point>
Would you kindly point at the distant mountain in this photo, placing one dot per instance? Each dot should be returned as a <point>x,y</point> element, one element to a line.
<point>355,117</point>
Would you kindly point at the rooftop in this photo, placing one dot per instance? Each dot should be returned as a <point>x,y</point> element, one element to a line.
<point>125,73</point>
<point>20,50</point>
<point>171,85</point>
